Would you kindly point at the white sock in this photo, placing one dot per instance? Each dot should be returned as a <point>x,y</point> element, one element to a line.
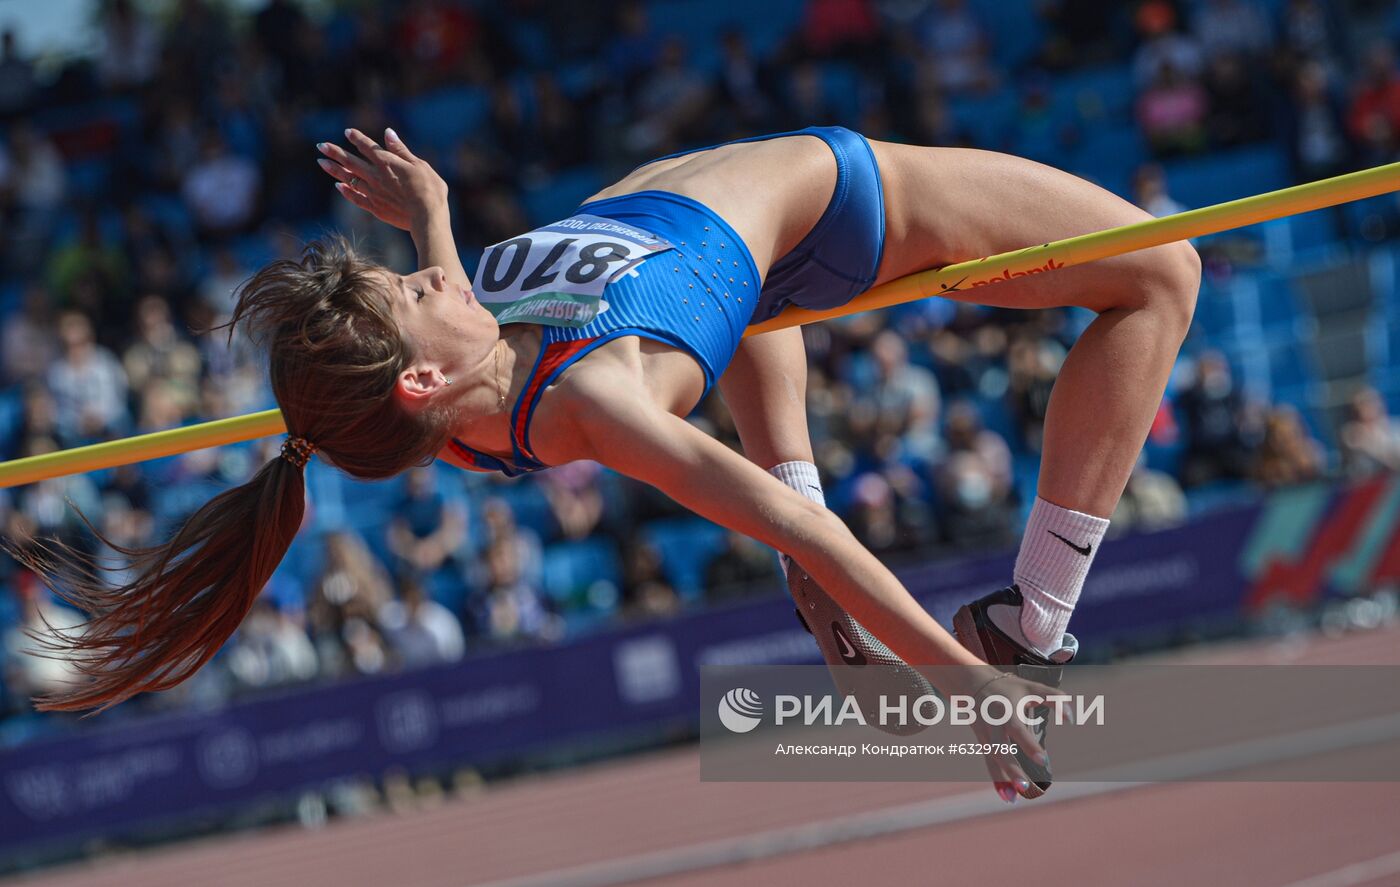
<point>1056,553</point>
<point>802,477</point>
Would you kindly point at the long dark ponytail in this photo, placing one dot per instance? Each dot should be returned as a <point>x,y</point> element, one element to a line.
<point>335,352</point>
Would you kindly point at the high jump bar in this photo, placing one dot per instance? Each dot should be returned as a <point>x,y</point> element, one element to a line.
<point>959,278</point>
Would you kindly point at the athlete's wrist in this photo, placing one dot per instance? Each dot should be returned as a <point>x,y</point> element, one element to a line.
<point>429,216</point>
<point>967,679</point>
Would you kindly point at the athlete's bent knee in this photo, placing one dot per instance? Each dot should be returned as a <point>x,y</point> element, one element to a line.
<point>1167,279</point>
<point>1182,282</point>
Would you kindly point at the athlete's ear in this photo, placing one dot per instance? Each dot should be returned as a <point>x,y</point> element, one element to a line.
<point>416,385</point>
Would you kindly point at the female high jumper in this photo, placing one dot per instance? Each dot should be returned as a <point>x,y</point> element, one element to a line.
<point>593,337</point>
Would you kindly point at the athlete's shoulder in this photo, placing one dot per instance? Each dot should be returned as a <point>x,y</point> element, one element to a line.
<point>587,405</point>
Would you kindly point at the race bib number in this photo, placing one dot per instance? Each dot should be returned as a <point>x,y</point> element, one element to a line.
<point>556,275</point>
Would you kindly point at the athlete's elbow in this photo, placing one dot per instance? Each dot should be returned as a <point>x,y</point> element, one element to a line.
<point>812,532</point>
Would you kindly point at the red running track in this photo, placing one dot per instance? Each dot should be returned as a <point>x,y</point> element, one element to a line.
<point>649,820</point>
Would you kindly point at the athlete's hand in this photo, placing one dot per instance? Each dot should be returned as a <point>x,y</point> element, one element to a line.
<point>1008,776</point>
<point>386,180</point>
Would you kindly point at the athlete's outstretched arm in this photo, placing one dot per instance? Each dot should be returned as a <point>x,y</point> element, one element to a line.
<point>399,189</point>
<point>591,419</point>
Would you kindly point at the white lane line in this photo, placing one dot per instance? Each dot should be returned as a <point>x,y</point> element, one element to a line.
<point>1357,873</point>
<point>959,808</point>
<point>794,839</point>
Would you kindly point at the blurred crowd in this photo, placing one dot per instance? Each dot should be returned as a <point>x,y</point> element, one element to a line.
<point>139,185</point>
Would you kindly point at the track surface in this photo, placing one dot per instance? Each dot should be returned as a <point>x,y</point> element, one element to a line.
<point>650,820</point>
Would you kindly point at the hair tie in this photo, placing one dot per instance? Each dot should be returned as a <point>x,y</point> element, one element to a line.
<point>297,450</point>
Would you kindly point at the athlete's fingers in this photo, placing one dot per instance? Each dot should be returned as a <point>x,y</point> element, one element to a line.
<point>1014,773</point>
<point>1000,781</point>
<point>369,148</point>
<point>338,172</point>
<point>359,198</point>
<point>396,145</point>
<point>1024,738</point>
<point>357,166</point>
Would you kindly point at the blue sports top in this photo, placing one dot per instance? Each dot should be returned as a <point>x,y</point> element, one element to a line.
<point>696,293</point>
<point>696,288</point>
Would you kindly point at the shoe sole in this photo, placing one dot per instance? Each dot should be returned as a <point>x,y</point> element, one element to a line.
<point>965,630</point>
<point>876,671</point>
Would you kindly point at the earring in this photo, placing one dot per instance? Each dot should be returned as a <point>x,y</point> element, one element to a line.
<point>447,380</point>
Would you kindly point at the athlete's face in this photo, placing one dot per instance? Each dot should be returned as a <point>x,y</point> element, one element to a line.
<point>446,326</point>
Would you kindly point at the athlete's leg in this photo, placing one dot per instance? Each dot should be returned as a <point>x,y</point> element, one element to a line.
<point>946,205</point>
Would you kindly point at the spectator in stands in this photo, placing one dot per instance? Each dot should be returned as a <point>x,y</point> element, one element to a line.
<point>221,190</point>
<point>17,83</point>
<point>347,597</point>
<point>874,515</point>
<point>562,130</point>
<point>40,414</point>
<point>288,189</point>
<point>646,594</point>
<point>885,516</point>
<point>575,498</point>
<point>34,169</point>
<point>88,383</point>
<point>28,673</point>
<point>276,28</point>
<point>1150,191</point>
<point>218,287</point>
<point>804,98</point>
<point>905,394</point>
<point>129,48</point>
<point>124,528</point>
<point>1287,454</point>
<point>839,28</point>
<point>502,529</point>
<point>52,506</point>
<point>509,608</point>
<point>159,407</point>
<point>634,45</point>
<point>966,434</point>
<point>1079,33</point>
<point>1152,500</point>
<point>27,341</point>
<point>1239,113</point>
<point>956,45</point>
<point>1232,27</point>
<point>420,631</point>
<point>669,102</point>
<point>1374,116</point>
<point>933,123</point>
<point>90,273</point>
<point>741,566</point>
<point>1172,112</point>
<point>741,93</point>
<point>1370,438</point>
<point>8,566</point>
<point>174,146</point>
<point>1310,30</point>
<point>198,50</point>
<point>1213,411</point>
<point>427,528</point>
<point>1163,46</point>
<point>974,483</point>
<point>271,648</point>
<point>159,352</point>
<point>1033,365</point>
<point>1318,142</point>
